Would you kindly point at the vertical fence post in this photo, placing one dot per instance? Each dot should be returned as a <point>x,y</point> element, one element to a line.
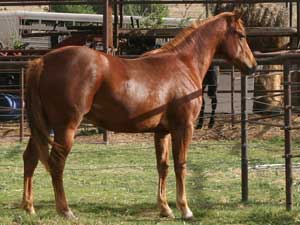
<point>298,24</point>
<point>244,138</point>
<point>107,26</point>
<point>22,105</point>
<point>121,13</point>
<point>232,96</point>
<point>291,14</point>
<point>206,9</point>
<point>115,25</point>
<point>107,40</point>
<point>287,137</point>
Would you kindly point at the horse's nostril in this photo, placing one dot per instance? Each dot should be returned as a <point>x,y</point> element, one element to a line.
<point>254,68</point>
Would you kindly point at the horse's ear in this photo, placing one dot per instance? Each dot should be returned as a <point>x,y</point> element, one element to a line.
<point>238,13</point>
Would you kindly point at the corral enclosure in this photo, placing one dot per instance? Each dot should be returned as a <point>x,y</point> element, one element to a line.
<point>116,183</point>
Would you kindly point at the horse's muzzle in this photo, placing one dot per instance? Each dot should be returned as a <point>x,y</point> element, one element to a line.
<point>249,70</point>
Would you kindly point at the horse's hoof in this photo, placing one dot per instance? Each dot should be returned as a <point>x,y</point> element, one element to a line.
<point>29,209</point>
<point>188,215</point>
<point>167,213</point>
<point>211,125</point>
<point>199,126</point>
<point>68,215</point>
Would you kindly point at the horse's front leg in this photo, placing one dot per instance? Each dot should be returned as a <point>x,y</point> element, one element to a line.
<point>181,137</point>
<point>162,159</point>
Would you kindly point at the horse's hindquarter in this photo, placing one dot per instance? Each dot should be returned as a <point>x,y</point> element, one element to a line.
<point>137,95</point>
<point>70,79</point>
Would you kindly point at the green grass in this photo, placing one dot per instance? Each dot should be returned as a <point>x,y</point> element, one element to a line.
<point>117,185</point>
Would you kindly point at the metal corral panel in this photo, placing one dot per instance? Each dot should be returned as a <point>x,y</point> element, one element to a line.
<point>224,99</point>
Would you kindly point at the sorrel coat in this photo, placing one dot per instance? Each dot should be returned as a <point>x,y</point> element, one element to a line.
<point>160,93</point>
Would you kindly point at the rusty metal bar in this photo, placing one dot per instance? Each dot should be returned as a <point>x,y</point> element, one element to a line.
<point>21,57</point>
<point>115,24</point>
<point>203,1</point>
<point>267,124</point>
<point>22,86</point>
<point>41,2</point>
<point>288,137</point>
<point>298,24</point>
<point>266,117</point>
<point>232,97</point>
<point>105,26</point>
<point>291,14</point>
<point>105,45</point>
<point>25,51</point>
<point>244,138</point>
<point>96,2</point>
<point>107,40</point>
<point>172,32</point>
<point>121,13</point>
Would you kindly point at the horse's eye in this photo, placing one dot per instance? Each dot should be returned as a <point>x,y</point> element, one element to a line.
<point>241,35</point>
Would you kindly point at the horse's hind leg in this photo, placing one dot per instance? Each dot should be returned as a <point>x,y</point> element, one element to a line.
<point>214,102</point>
<point>201,116</point>
<point>162,159</point>
<point>65,137</point>
<point>30,158</point>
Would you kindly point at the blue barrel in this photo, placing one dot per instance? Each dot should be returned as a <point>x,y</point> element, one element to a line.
<point>10,107</point>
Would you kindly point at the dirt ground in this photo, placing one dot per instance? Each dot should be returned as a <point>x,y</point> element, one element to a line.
<point>223,130</point>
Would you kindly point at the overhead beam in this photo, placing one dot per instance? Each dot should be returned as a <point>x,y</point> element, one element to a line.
<point>94,2</point>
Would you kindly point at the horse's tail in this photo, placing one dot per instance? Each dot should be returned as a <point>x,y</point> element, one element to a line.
<point>35,114</point>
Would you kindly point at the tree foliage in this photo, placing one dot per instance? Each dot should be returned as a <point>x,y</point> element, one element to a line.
<point>88,9</point>
<point>152,13</point>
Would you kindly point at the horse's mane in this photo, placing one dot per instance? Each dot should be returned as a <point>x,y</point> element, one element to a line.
<point>185,32</point>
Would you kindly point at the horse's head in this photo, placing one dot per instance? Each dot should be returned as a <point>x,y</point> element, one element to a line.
<point>234,46</point>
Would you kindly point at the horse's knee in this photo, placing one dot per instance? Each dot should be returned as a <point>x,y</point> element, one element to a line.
<point>163,168</point>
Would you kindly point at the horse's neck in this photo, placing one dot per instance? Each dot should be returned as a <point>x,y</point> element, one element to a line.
<point>203,45</point>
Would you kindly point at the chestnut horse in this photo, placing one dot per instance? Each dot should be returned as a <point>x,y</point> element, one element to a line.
<point>159,93</point>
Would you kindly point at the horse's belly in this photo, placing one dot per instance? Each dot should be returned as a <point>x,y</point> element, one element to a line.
<point>118,118</point>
